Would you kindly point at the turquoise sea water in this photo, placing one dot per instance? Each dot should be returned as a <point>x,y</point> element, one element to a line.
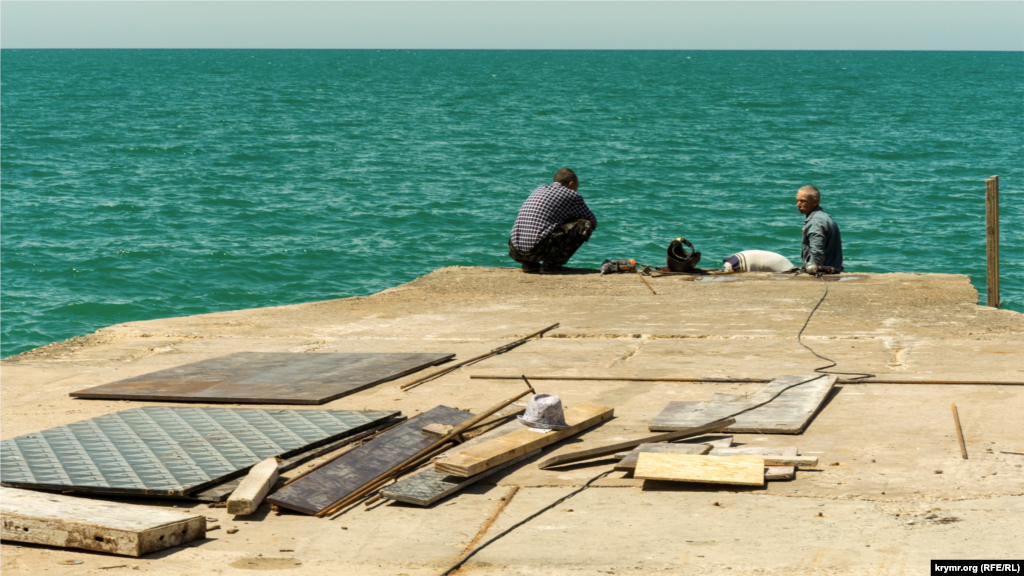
<point>148,184</point>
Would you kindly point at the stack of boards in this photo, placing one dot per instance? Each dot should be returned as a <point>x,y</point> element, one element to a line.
<point>704,463</point>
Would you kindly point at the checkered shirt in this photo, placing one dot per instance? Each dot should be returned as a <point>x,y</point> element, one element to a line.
<point>546,208</point>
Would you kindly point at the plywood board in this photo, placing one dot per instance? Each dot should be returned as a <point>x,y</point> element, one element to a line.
<point>790,413</point>
<point>69,522</point>
<point>427,486</point>
<point>267,378</point>
<point>770,472</point>
<point>340,478</point>
<point>740,470</point>
<point>628,464</point>
<point>169,450</point>
<point>475,460</point>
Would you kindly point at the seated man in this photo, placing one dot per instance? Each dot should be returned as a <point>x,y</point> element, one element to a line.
<point>552,224</point>
<point>822,247</point>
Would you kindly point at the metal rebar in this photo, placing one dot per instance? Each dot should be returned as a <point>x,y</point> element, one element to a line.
<point>743,380</point>
<point>495,352</point>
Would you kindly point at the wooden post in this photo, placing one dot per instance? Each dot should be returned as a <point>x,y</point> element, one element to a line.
<point>992,234</point>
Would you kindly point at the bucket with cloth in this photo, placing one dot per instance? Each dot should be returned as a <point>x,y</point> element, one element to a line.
<point>757,261</point>
<point>544,412</point>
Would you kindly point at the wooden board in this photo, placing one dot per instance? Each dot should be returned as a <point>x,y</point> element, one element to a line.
<point>427,486</point>
<point>482,457</point>
<point>788,414</point>
<point>770,472</point>
<point>69,522</point>
<point>741,470</point>
<point>322,488</point>
<point>267,378</point>
<point>254,488</point>
<point>629,462</point>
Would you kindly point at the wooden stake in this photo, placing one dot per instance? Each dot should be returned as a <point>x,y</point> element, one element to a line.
<point>992,236</point>
<point>959,432</point>
<point>645,282</point>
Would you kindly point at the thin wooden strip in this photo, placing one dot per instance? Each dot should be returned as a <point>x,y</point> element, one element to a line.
<point>69,522</point>
<point>500,450</point>
<point>740,470</point>
<point>630,444</point>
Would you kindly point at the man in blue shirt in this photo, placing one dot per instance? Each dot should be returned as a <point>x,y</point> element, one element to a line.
<point>822,249</point>
<point>552,224</point>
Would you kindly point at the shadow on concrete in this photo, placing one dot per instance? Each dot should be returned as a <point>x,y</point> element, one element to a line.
<point>666,486</point>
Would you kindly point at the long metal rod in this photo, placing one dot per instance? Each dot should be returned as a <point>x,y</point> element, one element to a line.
<point>495,352</point>
<point>453,437</point>
<point>959,433</point>
<point>743,380</point>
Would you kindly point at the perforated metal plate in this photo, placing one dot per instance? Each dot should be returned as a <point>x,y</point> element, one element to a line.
<point>168,450</point>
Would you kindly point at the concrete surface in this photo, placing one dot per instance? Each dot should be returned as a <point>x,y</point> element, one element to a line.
<point>877,504</point>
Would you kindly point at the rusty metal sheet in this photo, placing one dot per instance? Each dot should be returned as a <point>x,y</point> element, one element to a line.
<point>267,378</point>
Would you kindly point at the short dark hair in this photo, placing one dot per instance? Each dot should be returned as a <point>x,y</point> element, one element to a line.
<point>566,177</point>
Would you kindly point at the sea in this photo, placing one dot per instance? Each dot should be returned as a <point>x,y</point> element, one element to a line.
<point>141,184</point>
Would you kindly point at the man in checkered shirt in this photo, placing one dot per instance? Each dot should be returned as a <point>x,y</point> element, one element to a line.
<point>552,224</point>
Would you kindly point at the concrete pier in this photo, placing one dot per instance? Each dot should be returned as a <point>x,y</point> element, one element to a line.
<point>891,493</point>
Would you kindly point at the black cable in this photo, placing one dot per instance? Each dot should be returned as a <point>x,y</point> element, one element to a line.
<point>459,564</point>
<point>822,370</point>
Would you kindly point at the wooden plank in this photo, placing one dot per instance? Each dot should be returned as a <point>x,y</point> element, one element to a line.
<point>268,377</point>
<point>741,470</point>
<point>770,472</point>
<point>335,481</point>
<point>788,414</point>
<point>630,444</point>
<point>523,441</point>
<point>628,463</point>
<point>254,488</point>
<point>427,486</point>
<point>69,522</point>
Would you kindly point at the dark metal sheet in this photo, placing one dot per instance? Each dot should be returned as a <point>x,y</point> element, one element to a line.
<point>220,492</point>
<point>267,378</point>
<point>322,488</point>
<point>169,450</point>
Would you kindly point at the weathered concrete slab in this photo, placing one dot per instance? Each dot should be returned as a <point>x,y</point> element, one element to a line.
<point>888,440</point>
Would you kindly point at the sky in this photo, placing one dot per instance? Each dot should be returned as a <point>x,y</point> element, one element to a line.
<point>719,25</point>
